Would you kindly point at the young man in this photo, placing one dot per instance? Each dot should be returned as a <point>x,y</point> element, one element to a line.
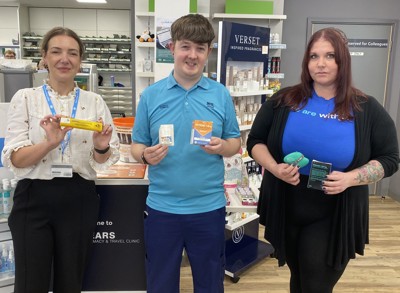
<point>186,201</point>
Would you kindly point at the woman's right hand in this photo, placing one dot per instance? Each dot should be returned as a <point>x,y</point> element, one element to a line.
<point>288,173</point>
<point>54,133</point>
<point>32,154</point>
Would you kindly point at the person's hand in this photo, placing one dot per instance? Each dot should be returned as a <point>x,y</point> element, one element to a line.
<point>54,133</point>
<point>101,140</point>
<point>216,146</point>
<point>288,173</point>
<point>155,154</point>
<point>336,182</point>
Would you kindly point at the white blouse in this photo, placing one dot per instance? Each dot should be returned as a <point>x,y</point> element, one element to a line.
<point>29,106</point>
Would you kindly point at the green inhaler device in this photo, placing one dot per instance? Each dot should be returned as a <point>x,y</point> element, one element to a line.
<point>296,159</point>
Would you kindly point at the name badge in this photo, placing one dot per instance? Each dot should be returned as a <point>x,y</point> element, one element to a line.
<point>61,170</point>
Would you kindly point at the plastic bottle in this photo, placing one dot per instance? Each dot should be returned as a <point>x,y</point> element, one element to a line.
<point>6,197</point>
<point>4,259</point>
<point>1,200</point>
<point>1,264</point>
<point>11,260</point>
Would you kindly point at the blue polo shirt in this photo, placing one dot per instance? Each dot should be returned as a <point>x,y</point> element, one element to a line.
<point>320,135</point>
<point>187,180</point>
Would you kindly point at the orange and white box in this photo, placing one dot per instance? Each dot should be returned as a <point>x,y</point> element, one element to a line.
<point>201,132</point>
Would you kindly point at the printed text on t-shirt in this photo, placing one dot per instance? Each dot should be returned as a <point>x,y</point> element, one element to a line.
<point>321,115</point>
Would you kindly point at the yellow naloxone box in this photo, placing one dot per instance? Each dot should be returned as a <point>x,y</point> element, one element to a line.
<point>81,124</point>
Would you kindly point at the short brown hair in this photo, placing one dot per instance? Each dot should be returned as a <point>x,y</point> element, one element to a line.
<point>57,31</point>
<point>192,27</point>
<point>10,52</point>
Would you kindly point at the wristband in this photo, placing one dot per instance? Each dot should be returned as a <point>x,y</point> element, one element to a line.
<point>102,152</point>
<point>144,159</point>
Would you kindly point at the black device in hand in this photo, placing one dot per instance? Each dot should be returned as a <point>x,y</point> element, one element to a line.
<point>318,172</point>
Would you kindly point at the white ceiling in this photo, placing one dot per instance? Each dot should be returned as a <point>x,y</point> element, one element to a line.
<point>111,4</point>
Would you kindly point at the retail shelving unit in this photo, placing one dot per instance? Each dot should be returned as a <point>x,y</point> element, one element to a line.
<point>273,21</point>
<point>144,51</point>
<point>6,276</point>
<point>118,99</point>
<point>109,54</point>
<point>246,123</point>
<point>31,48</point>
<point>242,246</point>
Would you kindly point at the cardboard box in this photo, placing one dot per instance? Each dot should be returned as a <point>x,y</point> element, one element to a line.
<point>201,132</point>
<point>81,124</point>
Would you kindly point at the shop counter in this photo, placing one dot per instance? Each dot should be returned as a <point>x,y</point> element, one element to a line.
<point>117,259</point>
<point>117,262</point>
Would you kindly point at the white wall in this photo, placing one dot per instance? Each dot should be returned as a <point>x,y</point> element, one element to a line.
<point>91,22</point>
<point>9,27</point>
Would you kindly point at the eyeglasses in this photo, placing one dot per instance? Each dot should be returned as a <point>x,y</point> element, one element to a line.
<point>9,56</point>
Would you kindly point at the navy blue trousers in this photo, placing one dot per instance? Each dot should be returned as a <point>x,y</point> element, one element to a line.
<point>202,237</point>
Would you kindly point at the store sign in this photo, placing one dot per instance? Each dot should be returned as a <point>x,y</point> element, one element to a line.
<point>367,43</point>
<point>118,259</point>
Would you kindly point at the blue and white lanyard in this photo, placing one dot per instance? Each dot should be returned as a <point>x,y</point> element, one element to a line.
<point>65,142</point>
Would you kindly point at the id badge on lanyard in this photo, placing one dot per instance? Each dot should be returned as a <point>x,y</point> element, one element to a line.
<point>60,169</point>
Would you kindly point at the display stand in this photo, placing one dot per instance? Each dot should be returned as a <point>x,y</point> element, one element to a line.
<point>242,246</point>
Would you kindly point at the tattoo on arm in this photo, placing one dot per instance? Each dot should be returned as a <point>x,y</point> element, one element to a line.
<point>370,172</point>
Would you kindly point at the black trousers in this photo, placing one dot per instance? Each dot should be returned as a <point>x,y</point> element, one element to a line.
<point>308,227</point>
<point>52,224</point>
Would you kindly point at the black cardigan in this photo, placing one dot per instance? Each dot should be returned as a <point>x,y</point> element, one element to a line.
<point>376,138</point>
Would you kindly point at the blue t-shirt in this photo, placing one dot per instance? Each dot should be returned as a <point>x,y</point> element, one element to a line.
<point>320,135</point>
<point>187,180</point>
